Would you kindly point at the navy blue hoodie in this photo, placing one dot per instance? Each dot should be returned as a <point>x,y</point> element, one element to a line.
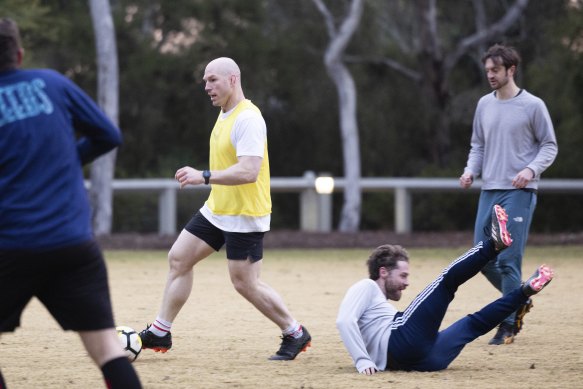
<point>49,128</point>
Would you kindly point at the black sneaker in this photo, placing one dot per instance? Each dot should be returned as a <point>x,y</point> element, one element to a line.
<point>499,233</point>
<point>504,335</point>
<point>291,347</point>
<point>156,343</point>
<point>520,313</point>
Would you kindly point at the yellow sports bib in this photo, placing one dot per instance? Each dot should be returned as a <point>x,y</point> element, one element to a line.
<point>252,199</point>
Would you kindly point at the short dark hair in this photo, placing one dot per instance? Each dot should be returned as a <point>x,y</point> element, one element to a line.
<point>506,56</point>
<point>385,256</point>
<point>9,44</point>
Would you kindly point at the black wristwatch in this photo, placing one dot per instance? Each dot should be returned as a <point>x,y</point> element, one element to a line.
<point>206,174</point>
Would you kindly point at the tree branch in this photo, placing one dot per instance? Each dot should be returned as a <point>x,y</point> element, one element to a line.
<point>482,36</point>
<point>412,74</point>
<point>328,19</point>
<point>428,24</point>
<point>340,41</point>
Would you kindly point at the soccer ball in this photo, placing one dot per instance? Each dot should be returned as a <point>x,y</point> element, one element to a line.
<point>130,341</point>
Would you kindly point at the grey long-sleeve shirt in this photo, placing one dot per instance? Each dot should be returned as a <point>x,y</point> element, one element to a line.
<point>508,136</point>
<point>364,322</point>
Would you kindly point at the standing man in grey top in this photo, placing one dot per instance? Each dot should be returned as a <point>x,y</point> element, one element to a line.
<point>513,142</point>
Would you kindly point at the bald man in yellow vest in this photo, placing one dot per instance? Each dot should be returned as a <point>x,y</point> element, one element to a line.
<point>236,215</point>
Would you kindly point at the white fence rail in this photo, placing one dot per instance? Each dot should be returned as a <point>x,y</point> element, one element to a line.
<point>315,205</point>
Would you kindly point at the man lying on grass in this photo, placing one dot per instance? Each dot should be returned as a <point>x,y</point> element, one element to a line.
<point>378,337</point>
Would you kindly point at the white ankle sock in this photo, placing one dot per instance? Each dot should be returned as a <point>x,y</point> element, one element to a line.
<point>160,327</point>
<point>295,330</point>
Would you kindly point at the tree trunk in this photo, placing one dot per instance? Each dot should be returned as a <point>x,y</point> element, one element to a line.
<point>339,39</point>
<point>102,169</point>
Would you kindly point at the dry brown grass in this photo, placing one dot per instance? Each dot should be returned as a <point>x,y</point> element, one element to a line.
<point>221,341</point>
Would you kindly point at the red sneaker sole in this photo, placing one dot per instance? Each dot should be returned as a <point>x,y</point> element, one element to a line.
<point>544,277</point>
<point>157,349</point>
<point>502,217</point>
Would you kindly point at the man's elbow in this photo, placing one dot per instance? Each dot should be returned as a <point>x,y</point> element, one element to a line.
<point>110,144</point>
<point>250,177</point>
<point>107,144</point>
<point>116,140</point>
<point>342,323</point>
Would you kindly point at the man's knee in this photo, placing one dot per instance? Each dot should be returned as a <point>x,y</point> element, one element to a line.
<point>509,264</point>
<point>186,252</point>
<point>242,287</point>
<point>490,269</point>
<point>177,262</point>
<point>243,282</point>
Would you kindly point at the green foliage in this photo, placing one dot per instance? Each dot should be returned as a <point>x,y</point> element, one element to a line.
<point>135,212</point>
<point>380,211</point>
<point>166,116</point>
<point>38,27</point>
<point>556,75</point>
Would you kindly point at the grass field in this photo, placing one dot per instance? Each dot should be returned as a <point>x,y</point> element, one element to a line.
<point>221,341</point>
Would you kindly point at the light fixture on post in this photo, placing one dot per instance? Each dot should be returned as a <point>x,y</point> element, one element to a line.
<point>324,184</point>
<point>324,187</point>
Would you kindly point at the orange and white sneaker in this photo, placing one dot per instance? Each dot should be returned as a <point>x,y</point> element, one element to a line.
<point>499,234</point>
<point>541,278</point>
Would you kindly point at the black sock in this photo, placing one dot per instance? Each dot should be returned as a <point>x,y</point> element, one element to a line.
<point>2,383</point>
<point>120,374</point>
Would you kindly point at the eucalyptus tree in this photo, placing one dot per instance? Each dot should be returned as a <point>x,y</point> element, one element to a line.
<point>429,44</point>
<point>102,169</point>
<point>347,102</point>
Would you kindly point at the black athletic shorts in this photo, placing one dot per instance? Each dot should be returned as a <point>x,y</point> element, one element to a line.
<point>71,282</point>
<point>240,245</point>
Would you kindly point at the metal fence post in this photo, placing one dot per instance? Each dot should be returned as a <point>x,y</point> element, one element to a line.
<point>167,212</point>
<point>325,212</point>
<point>309,204</point>
<point>403,224</point>
<point>324,187</point>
